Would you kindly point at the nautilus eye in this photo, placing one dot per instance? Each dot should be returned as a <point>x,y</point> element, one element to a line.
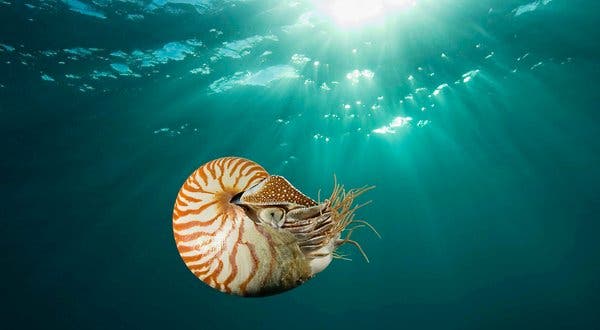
<point>272,215</point>
<point>245,232</point>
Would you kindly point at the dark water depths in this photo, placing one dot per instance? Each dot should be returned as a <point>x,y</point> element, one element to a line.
<point>478,121</point>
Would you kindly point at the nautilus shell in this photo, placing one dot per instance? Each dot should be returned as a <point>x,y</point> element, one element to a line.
<point>248,233</point>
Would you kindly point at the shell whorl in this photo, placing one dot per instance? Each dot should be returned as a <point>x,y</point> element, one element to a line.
<point>220,244</point>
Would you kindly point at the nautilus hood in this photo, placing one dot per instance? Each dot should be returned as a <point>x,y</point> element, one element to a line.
<point>274,190</point>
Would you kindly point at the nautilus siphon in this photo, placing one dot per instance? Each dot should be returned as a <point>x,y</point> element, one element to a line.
<point>248,233</point>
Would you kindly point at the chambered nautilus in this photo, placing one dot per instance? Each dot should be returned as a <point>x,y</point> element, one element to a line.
<point>245,232</point>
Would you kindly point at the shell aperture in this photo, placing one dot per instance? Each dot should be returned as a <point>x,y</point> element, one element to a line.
<point>248,233</point>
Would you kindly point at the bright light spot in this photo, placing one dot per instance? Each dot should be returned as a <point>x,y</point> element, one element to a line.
<point>469,75</point>
<point>121,68</point>
<point>396,123</point>
<point>299,59</point>
<point>423,123</point>
<point>351,12</point>
<point>46,77</point>
<point>400,121</point>
<point>536,65</point>
<point>384,130</point>
<point>356,12</point>
<point>203,70</point>
<point>355,75</point>
<point>368,74</point>
<point>318,136</point>
<point>440,88</point>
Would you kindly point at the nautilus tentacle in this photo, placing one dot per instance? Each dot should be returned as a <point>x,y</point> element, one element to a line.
<point>245,232</point>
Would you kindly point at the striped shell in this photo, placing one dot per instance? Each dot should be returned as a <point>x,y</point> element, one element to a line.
<point>244,232</point>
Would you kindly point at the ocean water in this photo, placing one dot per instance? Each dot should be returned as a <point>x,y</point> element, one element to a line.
<point>476,120</point>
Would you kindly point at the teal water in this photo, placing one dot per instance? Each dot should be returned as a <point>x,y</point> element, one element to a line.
<point>477,121</point>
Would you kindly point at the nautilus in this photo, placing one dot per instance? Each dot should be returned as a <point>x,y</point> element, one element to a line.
<point>248,233</point>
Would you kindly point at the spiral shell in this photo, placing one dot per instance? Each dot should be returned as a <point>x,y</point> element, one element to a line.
<point>244,232</point>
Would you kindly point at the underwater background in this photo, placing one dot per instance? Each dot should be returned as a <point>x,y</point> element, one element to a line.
<point>476,120</point>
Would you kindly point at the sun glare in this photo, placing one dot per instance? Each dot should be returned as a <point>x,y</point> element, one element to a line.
<point>352,12</point>
<point>358,12</point>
